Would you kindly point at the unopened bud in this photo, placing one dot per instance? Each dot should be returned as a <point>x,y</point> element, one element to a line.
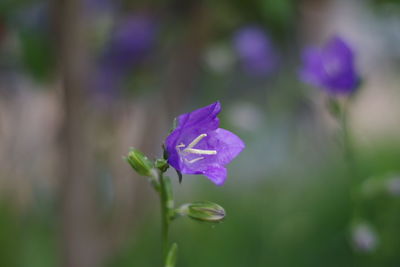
<point>140,163</point>
<point>203,211</point>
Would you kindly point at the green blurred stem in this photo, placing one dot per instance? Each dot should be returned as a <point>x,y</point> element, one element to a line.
<point>348,150</point>
<point>351,162</point>
<point>165,219</point>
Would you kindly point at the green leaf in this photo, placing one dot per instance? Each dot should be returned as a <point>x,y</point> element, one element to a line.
<point>170,261</point>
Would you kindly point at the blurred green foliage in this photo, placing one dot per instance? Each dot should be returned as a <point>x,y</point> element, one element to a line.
<point>27,240</point>
<point>300,220</point>
<point>37,54</point>
<point>296,220</point>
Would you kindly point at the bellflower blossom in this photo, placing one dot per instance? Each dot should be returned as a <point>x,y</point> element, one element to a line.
<point>331,67</point>
<point>255,51</point>
<point>198,146</point>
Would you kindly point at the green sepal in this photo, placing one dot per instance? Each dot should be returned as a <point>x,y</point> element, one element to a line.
<point>174,125</point>
<point>165,152</point>
<point>162,165</point>
<point>179,176</point>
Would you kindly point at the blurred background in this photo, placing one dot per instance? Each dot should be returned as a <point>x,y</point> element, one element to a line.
<point>81,81</point>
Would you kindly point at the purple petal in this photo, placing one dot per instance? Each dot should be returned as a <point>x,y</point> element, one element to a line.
<point>337,47</point>
<point>205,117</point>
<point>216,174</point>
<point>312,66</point>
<point>229,145</point>
<point>170,144</point>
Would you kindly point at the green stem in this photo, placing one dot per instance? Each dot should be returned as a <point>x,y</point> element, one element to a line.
<point>351,163</point>
<point>165,220</point>
<point>348,147</point>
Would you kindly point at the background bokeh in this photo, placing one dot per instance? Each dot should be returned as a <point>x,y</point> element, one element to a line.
<point>82,81</point>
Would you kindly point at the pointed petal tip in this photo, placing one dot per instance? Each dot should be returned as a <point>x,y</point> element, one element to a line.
<point>229,146</point>
<point>217,175</point>
<point>217,106</point>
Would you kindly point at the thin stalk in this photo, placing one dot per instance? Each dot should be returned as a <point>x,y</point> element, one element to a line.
<point>351,163</point>
<point>165,220</point>
<point>348,149</point>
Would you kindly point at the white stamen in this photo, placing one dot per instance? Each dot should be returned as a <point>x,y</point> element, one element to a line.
<point>194,160</point>
<point>196,140</point>
<point>189,149</point>
<point>200,151</point>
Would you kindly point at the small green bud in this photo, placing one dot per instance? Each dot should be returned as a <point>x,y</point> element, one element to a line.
<point>140,163</point>
<point>162,165</point>
<point>171,256</point>
<point>203,211</point>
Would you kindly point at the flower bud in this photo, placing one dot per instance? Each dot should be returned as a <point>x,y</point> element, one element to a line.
<point>140,163</point>
<point>203,211</point>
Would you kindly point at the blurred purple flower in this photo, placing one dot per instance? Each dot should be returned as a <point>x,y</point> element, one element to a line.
<point>131,40</point>
<point>364,238</point>
<point>330,67</point>
<point>393,186</point>
<point>198,146</point>
<point>255,51</point>
<point>129,45</point>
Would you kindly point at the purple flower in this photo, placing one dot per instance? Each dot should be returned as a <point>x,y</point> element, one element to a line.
<point>255,50</point>
<point>130,43</point>
<point>198,146</point>
<point>330,67</point>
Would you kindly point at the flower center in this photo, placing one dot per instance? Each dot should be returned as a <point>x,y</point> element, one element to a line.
<point>182,149</point>
<point>332,67</point>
